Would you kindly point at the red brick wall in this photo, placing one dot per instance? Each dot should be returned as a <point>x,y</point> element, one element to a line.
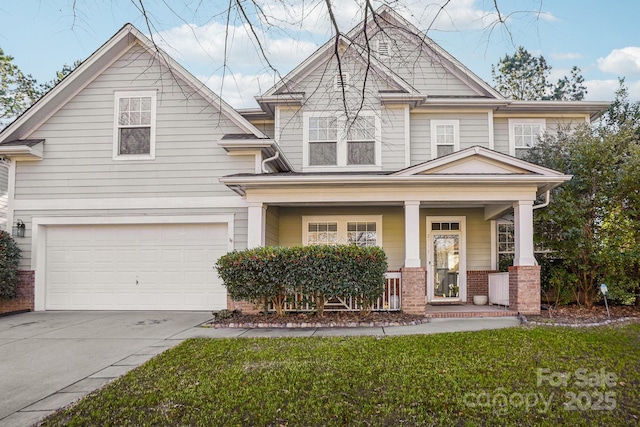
<point>414,290</point>
<point>478,283</point>
<point>25,294</point>
<point>244,306</point>
<point>524,289</point>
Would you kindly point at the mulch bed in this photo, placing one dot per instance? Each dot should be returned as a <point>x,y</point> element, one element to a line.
<point>569,316</point>
<point>311,320</point>
<point>580,316</point>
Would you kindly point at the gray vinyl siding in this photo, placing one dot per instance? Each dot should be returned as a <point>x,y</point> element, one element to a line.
<point>291,138</point>
<point>393,138</point>
<point>501,135</point>
<point>78,149</point>
<point>419,68</point>
<point>474,130</point>
<point>239,214</point>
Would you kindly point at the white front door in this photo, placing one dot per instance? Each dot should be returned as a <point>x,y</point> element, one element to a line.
<point>446,259</point>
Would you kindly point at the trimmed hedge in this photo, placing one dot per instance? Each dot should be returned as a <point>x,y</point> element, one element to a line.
<point>9,259</point>
<point>270,274</point>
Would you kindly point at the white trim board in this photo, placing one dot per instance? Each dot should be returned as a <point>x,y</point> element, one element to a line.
<point>130,203</point>
<point>39,237</point>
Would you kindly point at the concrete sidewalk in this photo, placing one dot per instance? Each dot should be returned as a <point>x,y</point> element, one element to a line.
<point>50,359</point>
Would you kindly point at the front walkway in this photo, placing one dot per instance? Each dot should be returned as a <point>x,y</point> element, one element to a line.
<point>50,359</point>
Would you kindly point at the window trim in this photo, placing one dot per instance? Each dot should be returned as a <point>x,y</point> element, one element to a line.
<point>512,134</point>
<point>434,123</point>
<point>342,143</point>
<point>342,221</point>
<point>117,95</point>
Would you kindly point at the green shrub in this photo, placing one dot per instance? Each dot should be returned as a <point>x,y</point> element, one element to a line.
<point>9,259</point>
<point>319,273</point>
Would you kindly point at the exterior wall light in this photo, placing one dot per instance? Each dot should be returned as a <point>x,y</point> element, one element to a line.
<point>18,229</point>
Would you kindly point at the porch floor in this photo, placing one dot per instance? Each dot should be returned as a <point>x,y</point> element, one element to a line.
<point>468,310</point>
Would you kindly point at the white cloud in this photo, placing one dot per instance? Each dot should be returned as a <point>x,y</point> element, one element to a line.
<point>604,90</point>
<point>213,44</point>
<point>622,62</point>
<point>239,89</point>
<point>566,56</point>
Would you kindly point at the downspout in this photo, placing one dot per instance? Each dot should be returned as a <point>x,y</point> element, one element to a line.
<point>547,199</point>
<point>270,159</point>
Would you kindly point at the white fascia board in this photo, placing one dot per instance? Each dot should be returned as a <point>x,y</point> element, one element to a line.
<point>594,108</point>
<point>470,180</point>
<point>477,150</point>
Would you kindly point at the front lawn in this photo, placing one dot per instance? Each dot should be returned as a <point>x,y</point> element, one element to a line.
<point>517,376</point>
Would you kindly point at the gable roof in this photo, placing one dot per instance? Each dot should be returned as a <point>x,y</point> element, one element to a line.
<point>101,59</point>
<point>388,15</point>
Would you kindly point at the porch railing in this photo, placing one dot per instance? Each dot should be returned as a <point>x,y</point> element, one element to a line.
<point>499,289</point>
<point>389,301</point>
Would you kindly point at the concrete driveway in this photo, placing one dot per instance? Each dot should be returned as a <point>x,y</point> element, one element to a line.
<point>49,359</point>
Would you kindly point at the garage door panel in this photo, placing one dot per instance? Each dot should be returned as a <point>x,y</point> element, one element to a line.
<point>97,267</point>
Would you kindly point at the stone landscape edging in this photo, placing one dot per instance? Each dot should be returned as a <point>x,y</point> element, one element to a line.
<point>291,325</point>
<point>524,320</point>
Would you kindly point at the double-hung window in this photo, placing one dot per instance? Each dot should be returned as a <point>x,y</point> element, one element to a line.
<point>524,134</point>
<point>342,230</point>
<point>323,141</point>
<point>331,142</point>
<point>445,137</point>
<point>361,141</point>
<point>134,129</point>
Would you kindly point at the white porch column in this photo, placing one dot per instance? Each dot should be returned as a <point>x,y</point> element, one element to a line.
<point>256,225</point>
<point>523,228</point>
<point>412,233</point>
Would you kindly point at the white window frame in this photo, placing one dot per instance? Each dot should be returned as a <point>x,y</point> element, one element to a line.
<point>116,128</point>
<point>341,146</point>
<point>512,133</point>
<point>456,135</point>
<point>342,221</point>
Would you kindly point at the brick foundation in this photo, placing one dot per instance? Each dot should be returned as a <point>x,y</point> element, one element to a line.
<point>524,289</point>
<point>478,283</point>
<point>414,290</point>
<point>25,294</point>
<point>243,306</point>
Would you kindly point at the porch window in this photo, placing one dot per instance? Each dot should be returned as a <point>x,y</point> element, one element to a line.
<point>506,242</point>
<point>342,230</point>
<point>524,134</point>
<point>445,137</point>
<point>134,129</point>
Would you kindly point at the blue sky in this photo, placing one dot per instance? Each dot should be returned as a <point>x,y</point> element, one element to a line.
<point>600,37</point>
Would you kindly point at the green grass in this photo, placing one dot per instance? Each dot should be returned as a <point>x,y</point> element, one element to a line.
<point>460,379</point>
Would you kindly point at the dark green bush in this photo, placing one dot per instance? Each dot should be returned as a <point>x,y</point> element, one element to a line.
<point>271,274</point>
<point>9,259</point>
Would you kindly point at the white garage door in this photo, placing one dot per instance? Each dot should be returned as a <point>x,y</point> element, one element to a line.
<point>134,267</point>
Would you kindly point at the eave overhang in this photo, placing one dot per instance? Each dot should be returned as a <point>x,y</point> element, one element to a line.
<point>594,109</point>
<point>23,150</point>
<point>268,147</point>
<point>241,183</point>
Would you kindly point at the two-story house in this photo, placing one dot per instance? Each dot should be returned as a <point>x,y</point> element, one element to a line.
<point>132,177</point>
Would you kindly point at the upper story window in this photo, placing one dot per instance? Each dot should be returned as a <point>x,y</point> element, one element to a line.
<point>323,141</point>
<point>524,134</point>
<point>342,230</point>
<point>445,137</point>
<point>331,142</point>
<point>134,129</point>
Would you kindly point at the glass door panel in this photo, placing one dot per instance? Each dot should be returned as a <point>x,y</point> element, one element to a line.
<point>446,263</point>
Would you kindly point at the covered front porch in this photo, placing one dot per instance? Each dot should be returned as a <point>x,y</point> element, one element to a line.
<point>436,222</point>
